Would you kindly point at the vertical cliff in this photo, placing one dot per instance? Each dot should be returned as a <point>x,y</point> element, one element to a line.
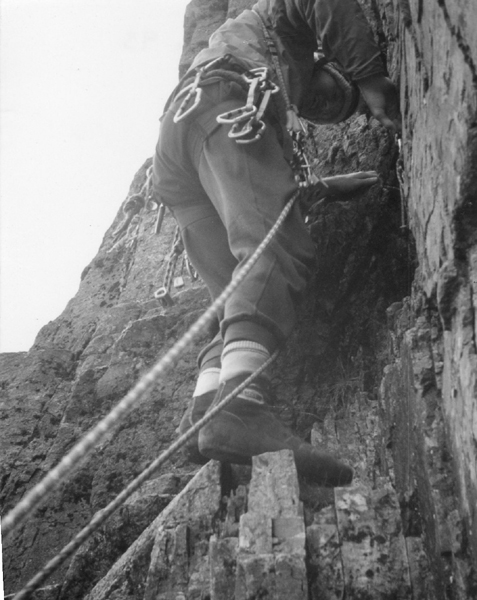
<point>381,367</point>
<point>430,390</point>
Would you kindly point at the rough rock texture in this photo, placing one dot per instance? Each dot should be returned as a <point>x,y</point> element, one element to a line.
<point>380,370</point>
<point>430,390</point>
<point>271,543</point>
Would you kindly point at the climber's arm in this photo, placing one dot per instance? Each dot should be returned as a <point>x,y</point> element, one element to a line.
<point>345,184</point>
<point>346,37</point>
<point>381,96</point>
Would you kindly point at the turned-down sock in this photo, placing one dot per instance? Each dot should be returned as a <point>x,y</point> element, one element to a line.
<point>208,381</point>
<point>241,357</point>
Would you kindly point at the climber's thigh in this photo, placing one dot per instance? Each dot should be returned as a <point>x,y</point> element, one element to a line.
<point>176,183</point>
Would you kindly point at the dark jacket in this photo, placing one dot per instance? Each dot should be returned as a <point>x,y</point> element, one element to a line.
<point>299,28</point>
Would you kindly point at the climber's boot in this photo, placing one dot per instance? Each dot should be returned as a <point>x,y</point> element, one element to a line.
<point>248,426</point>
<point>197,408</point>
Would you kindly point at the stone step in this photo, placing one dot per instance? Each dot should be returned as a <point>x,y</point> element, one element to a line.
<point>253,542</point>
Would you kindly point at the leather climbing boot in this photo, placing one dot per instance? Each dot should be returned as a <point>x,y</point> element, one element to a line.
<point>248,426</point>
<point>197,408</point>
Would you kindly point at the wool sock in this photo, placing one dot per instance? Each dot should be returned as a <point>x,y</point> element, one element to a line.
<point>241,357</point>
<point>207,381</point>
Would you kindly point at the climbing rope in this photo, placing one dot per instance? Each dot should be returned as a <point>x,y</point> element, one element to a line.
<point>301,130</point>
<point>106,512</point>
<point>81,450</point>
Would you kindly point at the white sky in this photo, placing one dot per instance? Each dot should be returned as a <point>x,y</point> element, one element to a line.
<point>83,83</point>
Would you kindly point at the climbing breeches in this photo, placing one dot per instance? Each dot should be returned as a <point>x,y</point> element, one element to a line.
<point>226,197</point>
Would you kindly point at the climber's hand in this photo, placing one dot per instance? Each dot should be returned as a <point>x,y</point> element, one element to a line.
<point>381,96</point>
<point>347,184</point>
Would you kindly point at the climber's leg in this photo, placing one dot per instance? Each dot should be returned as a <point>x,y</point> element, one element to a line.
<point>247,187</point>
<point>206,387</point>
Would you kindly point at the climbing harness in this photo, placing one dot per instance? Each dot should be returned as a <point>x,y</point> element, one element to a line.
<point>247,124</point>
<point>205,75</point>
<point>85,447</point>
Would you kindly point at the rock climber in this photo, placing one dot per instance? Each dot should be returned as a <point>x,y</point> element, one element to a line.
<point>223,167</point>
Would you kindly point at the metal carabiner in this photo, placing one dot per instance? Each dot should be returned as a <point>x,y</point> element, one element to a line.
<point>239,130</point>
<point>263,104</point>
<point>192,88</point>
<point>260,73</point>
<point>165,298</point>
<point>253,127</point>
<point>273,87</point>
<point>237,115</point>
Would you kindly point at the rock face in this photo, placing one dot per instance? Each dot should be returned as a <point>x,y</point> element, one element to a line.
<point>381,370</point>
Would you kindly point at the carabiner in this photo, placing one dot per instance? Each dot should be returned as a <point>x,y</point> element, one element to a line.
<point>260,73</point>
<point>165,298</point>
<point>237,115</point>
<point>263,104</point>
<point>192,88</point>
<point>253,127</point>
<point>239,130</point>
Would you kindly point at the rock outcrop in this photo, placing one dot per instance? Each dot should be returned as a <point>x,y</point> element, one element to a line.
<point>381,370</point>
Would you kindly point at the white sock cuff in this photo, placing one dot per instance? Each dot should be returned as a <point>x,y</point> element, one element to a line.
<point>245,345</point>
<point>207,381</point>
<point>242,357</point>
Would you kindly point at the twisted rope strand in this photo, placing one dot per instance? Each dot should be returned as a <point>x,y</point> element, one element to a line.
<point>79,452</point>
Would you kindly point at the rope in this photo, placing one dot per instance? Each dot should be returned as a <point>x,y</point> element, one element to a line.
<point>106,512</point>
<point>299,129</point>
<point>79,452</point>
<point>276,62</point>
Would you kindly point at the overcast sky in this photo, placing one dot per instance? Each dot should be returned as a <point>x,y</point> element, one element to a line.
<point>83,83</point>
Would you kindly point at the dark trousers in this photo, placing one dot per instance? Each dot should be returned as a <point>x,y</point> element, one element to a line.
<point>226,197</point>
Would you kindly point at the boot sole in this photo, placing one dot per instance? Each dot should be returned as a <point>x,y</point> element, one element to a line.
<point>223,439</point>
